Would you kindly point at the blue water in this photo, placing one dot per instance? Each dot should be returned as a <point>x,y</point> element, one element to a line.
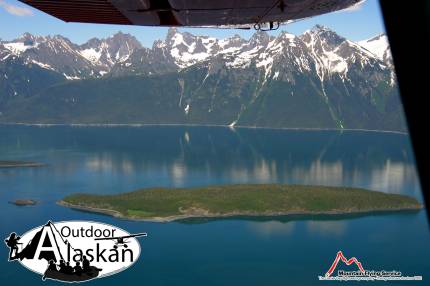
<point>269,251</point>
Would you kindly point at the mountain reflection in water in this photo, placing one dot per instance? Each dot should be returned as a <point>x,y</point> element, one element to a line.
<point>243,250</point>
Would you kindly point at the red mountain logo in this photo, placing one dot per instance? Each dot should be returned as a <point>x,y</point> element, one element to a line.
<point>350,261</point>
<point>361,274</point>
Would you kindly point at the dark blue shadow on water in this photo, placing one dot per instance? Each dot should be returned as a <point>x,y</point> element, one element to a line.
<point>300,217</point>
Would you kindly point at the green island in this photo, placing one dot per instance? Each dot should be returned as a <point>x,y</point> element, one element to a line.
<point>168,204</point>
<point>18,164</point>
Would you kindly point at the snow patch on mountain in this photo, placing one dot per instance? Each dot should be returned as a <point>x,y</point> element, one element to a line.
<point>378,46</point>
<point>43,65</point>
<point>91,54</point>
<point>187,49</point>
<point>19,47</point>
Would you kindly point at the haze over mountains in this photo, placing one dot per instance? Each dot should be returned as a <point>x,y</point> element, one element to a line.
<point>315,80</point>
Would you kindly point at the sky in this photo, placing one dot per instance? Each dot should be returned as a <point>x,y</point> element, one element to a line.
<point>16,18</point>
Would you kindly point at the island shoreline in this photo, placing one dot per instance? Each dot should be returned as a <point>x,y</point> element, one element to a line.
<point>117,214</point>
<point>20,164</point>
<point>139,125</point>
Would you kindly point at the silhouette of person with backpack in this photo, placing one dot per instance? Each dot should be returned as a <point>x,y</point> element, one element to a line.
<point>12,243</point>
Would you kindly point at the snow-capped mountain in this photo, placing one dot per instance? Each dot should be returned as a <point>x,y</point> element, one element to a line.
<point>104,53</point>
<point>315,80</point>
<point>53,53</point>
<point>320,48</point>
<point>122,54</point>
<point>187,49</point>
<point>335,54</point>
<point>57,53</point>
<point>379,46</point>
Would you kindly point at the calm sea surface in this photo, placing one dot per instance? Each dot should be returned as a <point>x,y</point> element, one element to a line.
<point>247,251</point>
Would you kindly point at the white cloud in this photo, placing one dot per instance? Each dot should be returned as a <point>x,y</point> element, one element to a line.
<point>15,9</point>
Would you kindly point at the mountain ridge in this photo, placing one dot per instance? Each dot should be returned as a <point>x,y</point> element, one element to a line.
<point>315,80</point>
<point>98,55</point>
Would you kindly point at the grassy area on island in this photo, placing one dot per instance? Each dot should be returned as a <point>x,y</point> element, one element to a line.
<point>164,204</point>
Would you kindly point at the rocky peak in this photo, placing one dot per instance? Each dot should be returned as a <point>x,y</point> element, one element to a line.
<point>260,38</point>
<point>324,35</point>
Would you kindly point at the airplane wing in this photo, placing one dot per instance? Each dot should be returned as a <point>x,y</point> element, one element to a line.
<point>190,13</point>
<point>107,238</point>
<point>120,237</point>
